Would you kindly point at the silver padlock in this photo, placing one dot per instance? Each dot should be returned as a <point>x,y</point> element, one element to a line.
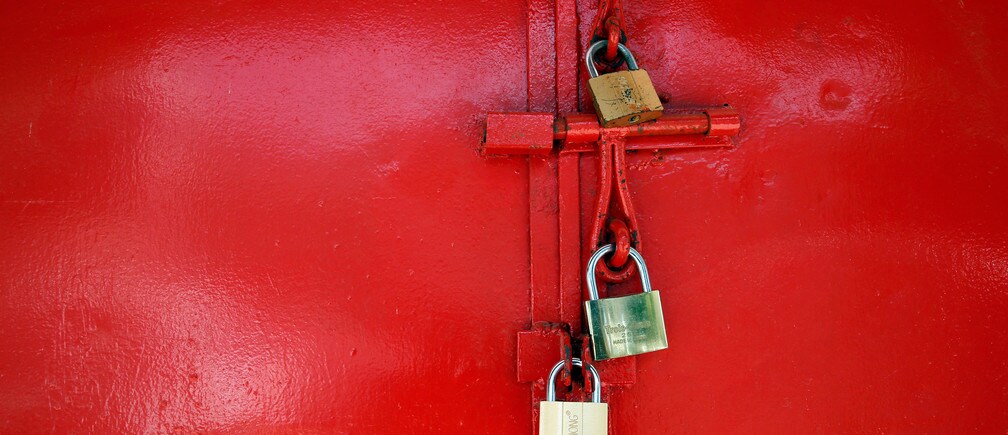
<point>573,418</point>
<point>627,325</point>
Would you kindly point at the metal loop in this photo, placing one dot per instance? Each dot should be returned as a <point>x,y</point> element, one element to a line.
<point>614,38</point>
<point>593,261</point>
<point>607,65</point>
<point>589,57</point>
<point>596,381</point>
<point>621,237</point>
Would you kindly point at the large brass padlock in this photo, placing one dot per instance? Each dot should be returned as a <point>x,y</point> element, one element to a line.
<point>573,418</point>
<point>627,325</point>
<point>622,97</point>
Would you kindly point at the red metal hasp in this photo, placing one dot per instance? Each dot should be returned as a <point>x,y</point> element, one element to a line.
<point>541,133</point>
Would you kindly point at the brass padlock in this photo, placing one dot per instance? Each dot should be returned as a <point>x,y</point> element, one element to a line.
<point>622,97</point>
<point>627,325</point>
<point>573,418</point>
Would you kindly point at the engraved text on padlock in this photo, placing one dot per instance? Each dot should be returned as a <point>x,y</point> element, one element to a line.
<point>626,325</point>
<point>573,418</point>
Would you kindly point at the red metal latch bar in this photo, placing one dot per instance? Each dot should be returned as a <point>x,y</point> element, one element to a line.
<point>510,133</point>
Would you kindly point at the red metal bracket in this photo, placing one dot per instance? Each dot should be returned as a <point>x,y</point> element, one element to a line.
<point>539,133</point>
<point>511,134</point>
<point>540,348</point>
<point>518,133</point>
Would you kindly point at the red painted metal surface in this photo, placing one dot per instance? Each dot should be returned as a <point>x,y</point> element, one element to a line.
<point>614,220</point>
<point>245,216</point>
<point>518,133</point>
<point>533,133</point>
<point>609,24</point>
<point>613,202</point>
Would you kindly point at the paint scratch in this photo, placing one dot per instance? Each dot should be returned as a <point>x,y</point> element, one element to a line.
<point>275,289</point>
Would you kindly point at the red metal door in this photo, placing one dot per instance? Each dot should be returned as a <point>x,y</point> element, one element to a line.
<point>249,216</point>
<point>244,216</point>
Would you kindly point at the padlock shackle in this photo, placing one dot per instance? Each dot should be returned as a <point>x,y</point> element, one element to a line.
<point>631,63</point>
<point>593,262</point>
<point>596,380</point>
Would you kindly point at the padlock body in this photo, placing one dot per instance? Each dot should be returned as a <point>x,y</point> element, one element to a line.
<point>624,98</point>
<point>627,325</point>
<point>573,418</point>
